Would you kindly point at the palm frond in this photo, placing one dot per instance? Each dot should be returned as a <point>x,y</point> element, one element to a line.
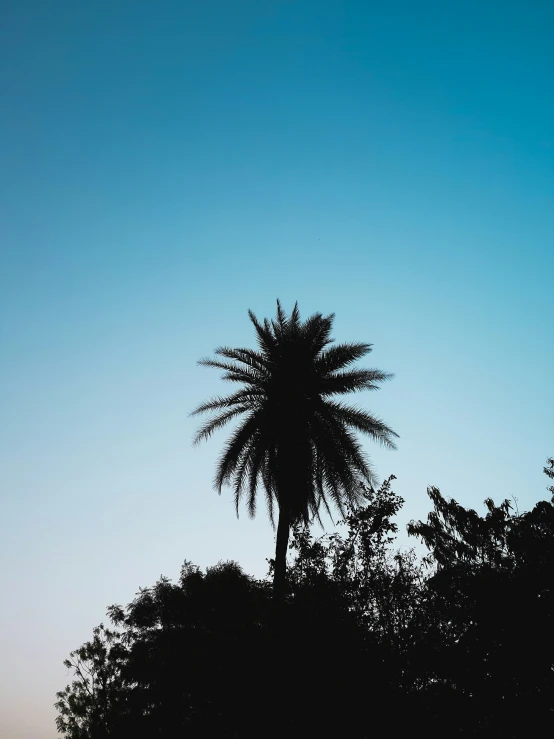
<point>234,372</point>
<point>294,320</point>
<point>268,478</point>
<point>249,357</point>
<point>230,459</point>
<point>254,473</point>
<point>242,473</point>
<point>266,340</point>
<point>342,447</point>
<point>208,428</point>
<point>364,422</point>
<point>320,484</point>
<point>241,396</point>
<point>351,381</point>
<point>279,325</point>
<point>340,356</point>
<point>316,332</point>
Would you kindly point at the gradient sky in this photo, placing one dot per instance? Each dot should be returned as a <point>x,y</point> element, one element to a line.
<point>167,165</point>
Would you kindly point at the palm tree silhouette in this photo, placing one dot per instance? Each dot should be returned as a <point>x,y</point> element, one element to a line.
<point>294,439</point>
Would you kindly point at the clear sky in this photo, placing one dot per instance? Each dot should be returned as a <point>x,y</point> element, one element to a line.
<point>167,165</point>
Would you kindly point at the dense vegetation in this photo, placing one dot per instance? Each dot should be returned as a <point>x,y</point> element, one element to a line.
<point>355,636</point>
<point>371,639</point>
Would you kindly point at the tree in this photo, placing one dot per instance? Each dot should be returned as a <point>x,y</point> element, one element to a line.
<point>174,663</point>
<point>464,647</point>
<point>487,631</point>
<point>199,657</point>
<point>294,438</point>
<point>96,696</point>
<point>549,471</point>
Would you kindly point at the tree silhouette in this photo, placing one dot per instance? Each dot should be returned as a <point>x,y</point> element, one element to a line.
<point>294,438</point>
<point>459,643</point>
<point>199,657</point>
<point>94,700</point>
<point>549,471</point>
<point>487,620</point>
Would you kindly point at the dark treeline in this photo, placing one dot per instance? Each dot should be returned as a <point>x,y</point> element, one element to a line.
<point>370,641</point>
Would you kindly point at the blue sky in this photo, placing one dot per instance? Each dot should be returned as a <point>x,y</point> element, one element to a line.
<point>166,166</point>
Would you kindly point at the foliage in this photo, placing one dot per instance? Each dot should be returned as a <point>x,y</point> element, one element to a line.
<point>95,698</point>
<point>489,612</point>
<point>294,439</point>
<point>377,583</point>
<point>549,470</point>
<point>458,643</point>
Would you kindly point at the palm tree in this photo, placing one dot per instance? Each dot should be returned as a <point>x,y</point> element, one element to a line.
<point>294,440</point>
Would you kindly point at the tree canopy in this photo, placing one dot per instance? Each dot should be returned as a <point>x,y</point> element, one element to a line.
<point>294,439</point>
<point>459,642</point>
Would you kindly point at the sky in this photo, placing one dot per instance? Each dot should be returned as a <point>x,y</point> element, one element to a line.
<point>164,167</point>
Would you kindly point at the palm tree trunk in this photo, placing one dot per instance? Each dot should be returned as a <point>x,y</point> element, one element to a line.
<point>279,573</point>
